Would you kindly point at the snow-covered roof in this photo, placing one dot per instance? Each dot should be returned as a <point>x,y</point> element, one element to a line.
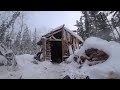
<point>68,30</point>
<point>53,30</point>
<point>77,36</point>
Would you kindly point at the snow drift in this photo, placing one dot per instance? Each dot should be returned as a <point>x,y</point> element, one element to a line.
<point>110,68</point>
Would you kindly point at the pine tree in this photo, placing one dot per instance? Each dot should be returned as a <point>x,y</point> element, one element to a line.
<point>26,42</point>
<point>115,21</point>
<point>95,24</point>
<point>87,24</point>
<point>104,27</point>
<point>34,42</point>
<point>17,43</point>
<point>80,26</point>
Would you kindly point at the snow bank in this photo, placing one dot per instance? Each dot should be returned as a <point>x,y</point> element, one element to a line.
<point>108,69</point>
<point>103,70</point>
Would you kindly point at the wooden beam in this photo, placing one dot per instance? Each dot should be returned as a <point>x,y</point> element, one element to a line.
<point>64,35</point>
<point>53,37</point>
<point>54,40</point>
<point>44,49</point>
<point>70,49</point>
<point>74,43</point>
<point>52,33</point>
<point>63,45</point>
<point>77,44</point>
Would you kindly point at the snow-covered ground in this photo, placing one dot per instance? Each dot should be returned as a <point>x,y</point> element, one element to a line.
<point>29,70</point>
<point>46,70</point>
<point>43,70</point>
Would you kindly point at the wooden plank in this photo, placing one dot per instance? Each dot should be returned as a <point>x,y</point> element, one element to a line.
<point>44,49</point>
<point>77,44</point>
<point>48,35</point>
<point>48,51</point>
<point>53,37</point>
<point>70,49</point>
<point>54,40</point>
<point>69,38</point>
<point>74,44</point>
<point>64,35</point>
<point>62,44</point>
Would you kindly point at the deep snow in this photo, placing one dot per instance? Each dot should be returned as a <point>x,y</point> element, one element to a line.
<point>110,66</point>
<point>46,70</point>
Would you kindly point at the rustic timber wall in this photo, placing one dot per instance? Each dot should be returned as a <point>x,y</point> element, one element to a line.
<point>69,44</point>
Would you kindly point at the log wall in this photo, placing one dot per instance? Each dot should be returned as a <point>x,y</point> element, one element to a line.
<point>68,41</point>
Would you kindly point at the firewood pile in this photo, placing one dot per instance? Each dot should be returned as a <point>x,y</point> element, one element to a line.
<point>93,55</point>
<point>96,55</point>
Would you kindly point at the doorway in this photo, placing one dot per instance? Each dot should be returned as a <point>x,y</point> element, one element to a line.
<point>56,51</point>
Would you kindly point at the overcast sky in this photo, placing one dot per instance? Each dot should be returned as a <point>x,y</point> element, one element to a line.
<point>52,19</point>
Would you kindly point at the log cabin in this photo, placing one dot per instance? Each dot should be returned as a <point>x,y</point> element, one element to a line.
<point>59,44</point>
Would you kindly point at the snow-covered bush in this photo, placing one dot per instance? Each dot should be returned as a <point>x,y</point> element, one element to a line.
<point>3,60</point>
<point>7,57</point>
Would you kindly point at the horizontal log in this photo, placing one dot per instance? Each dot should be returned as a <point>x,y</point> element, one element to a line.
<point>54,40</point>
<point>52,33</point>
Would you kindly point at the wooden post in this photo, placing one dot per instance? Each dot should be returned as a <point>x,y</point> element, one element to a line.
<point>44,48</point>
<point>74,44</point>
<point>77,44</point>
<point>62,43</point>
<point>70,49</point>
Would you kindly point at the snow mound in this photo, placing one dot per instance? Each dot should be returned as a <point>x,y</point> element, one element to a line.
<point>102,70</point>
<point>110,69</point>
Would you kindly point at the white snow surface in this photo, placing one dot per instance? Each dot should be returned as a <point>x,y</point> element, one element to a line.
<point>46,70</point>
<point>29,70</point>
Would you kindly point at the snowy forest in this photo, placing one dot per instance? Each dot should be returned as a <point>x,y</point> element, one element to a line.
<point>102,24</point>
<point>98,29</point>
<point>19,39</point>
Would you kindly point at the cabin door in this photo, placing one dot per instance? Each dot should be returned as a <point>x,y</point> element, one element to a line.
<point>56,51</point>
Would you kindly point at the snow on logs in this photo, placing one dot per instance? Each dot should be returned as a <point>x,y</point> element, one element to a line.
<point>93,55</point>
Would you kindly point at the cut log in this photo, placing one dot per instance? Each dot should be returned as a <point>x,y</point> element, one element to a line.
<point>96,55</point>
